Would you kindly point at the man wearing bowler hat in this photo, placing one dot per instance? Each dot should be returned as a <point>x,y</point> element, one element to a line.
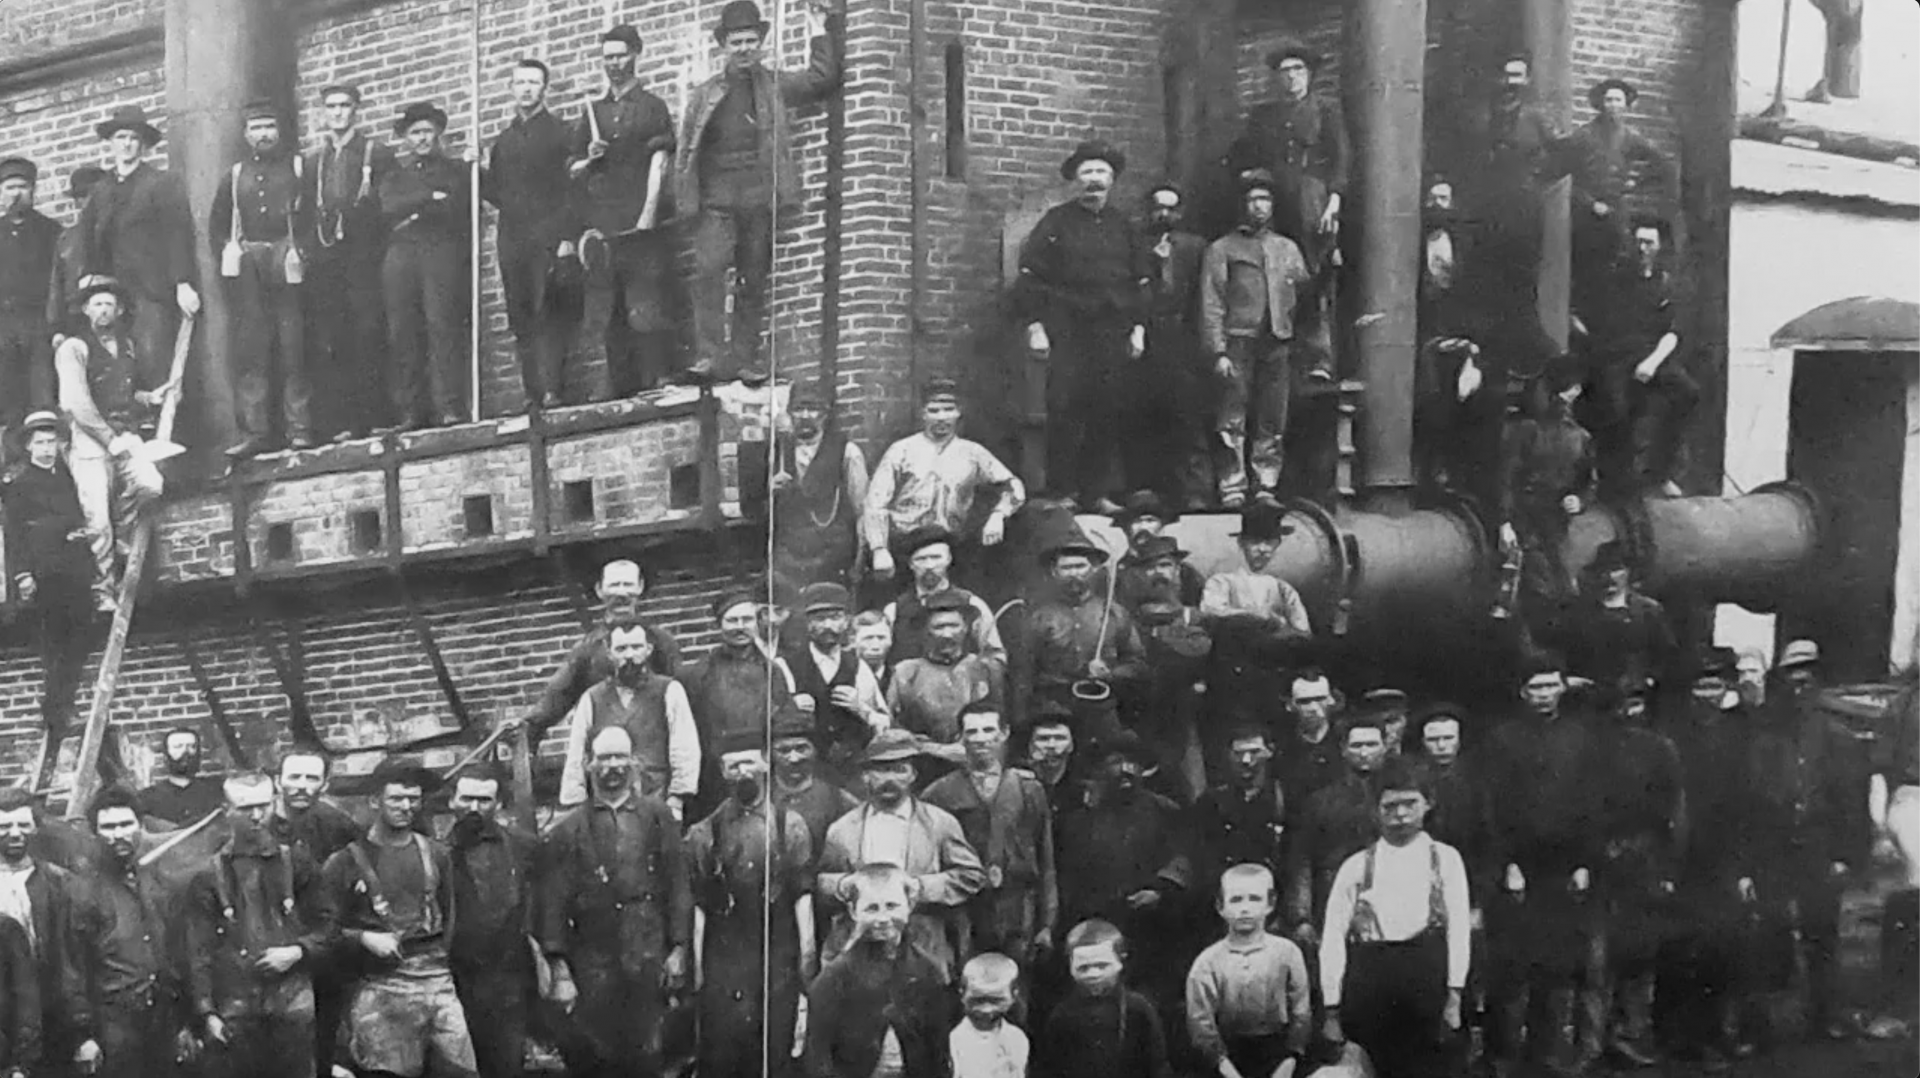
<point>52,569</point>
<point>1141,520</point>
<point>28,241</point>
<point>99,389</point>
<point>1082,294</point>
<point>1608,160</point>
<point>425,198</point>
<point>255,227</point>
<point>618,157</point>
<point>139,230</point>
<point>735,172</point>
<point>346,313</point>
<point>526,180</point>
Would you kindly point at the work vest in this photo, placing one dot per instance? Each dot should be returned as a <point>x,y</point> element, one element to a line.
<point>833,725</point>
<point>645,721</point>
<point>110,381</point>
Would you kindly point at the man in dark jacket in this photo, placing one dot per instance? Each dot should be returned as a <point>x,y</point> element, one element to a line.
<point>1546,478</point>
<point>46,544</point>
<point>28,240</point>
<point>1503,196</point>
<point>737,684</point>
<point>70,257</point>
<point>526,181</point>
<point>735,172</point>
<point>43,899</point>
<point>1082,294</point>
<point>258,218</point>
<point>1336,822</point>
<point>139,230</point>
<point>614,916</point>
<point>1618,634</point>
<point>617,155</point>
<point>493,875</point>
<point>1167,450</point>
<point>315,830</point>
<point>1608,159</point>
<point>346,315</point>
<point>249,949</point>
<point>588,663</point>
<point>424,200</point>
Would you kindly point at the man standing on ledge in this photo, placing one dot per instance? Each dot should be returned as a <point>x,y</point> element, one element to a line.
<point>736,170</point>
<point>346,319</point>
<point>1082,294</point>
<point>526,180</point>
<point>424,277</point>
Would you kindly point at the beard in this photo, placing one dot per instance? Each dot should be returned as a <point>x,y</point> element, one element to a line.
<point>184,766</point>
<point>746,790</point>
<point>467,829</point>
<point>631,674</point>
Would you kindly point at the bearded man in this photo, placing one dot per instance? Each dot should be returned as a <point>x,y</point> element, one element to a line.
<point>651,707</point>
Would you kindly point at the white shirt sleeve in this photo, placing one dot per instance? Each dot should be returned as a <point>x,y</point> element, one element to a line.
<point>1216,597</point>
<point>1453,892</point>
<point>873,705</point>
<point>683,743</point>
<point>1333,935</point>
<point>573,775</point>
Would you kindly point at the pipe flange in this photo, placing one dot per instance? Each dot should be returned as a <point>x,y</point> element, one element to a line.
<point>1466,508</point>
<point>1809,499</point>
<point>1344,567</point>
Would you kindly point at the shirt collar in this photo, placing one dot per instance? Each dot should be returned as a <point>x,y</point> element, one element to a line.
<point>629,802</point>
<point>903,811</point>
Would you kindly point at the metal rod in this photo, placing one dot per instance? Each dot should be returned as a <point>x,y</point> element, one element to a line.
<point>1779,106</point>
<point>177,837</point>
<point>473,219</point>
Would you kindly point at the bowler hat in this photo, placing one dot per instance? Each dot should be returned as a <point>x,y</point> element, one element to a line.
<point>128,118</point>
<point>1292,50</point>
<point>1798,653</point>
<point>1258,521</point>
<point>737,16</point>
<point>1093,150</point>
<point>1599,91</point>
<point>418,111</point>
<point>19,168</point>
<point>1156,547</point>
<point>1609,557</point>
<point>891,746</point>
<point>1716,662</point>
<point>1145,503</point>
<point>42,420</point>
<point>626,35</point>
<point>825,595</point>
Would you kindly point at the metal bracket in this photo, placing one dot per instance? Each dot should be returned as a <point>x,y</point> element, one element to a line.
<point>423,631</point>
<point>221,721</point>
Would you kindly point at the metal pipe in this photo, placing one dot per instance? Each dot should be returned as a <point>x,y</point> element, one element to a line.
<point>1750,550</point>
<point>919,179</point>
<point>1385,73</point>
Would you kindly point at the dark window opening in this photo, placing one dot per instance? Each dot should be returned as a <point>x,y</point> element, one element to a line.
<point>956,55</point>
<point>577,501</point>
<point>477,509</point>
<point>683,486</point>
<point>280,542</point>
<point>367,533</point>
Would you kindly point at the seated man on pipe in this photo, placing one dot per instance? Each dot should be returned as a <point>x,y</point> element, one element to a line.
<point>114,468</point>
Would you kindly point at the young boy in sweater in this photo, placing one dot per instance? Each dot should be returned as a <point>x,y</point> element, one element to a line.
<point>1103,1029</point>
<point>1249,1004</point>
<point>985,1044</point>
<point>881,1009</point>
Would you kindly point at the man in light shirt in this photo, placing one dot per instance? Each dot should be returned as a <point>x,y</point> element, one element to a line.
<point>1395,950</point>
<point>933,477</point>
<point>1257,620</point>
<point>651,707</point>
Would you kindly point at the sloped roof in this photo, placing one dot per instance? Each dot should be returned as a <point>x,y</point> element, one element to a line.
<point>1858,324</point>
<point>1776,171</point>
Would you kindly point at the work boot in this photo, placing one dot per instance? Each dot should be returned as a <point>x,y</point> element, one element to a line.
<point>251,446</point>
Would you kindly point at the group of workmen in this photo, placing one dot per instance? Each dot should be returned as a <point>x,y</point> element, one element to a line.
<point>1172,349</point>
<point>889,843</point>
<point>346,269</point>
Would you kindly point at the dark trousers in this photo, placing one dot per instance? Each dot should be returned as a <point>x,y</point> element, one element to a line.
<point>497,1000</point>
<point>1694,984</point>
<point>1086,376</point>
<point>1256,1057</point>
<point>136,1037</point>
<point>26,363</point>
<point>63,607</point>
<point>154,323</point>
<point>263,1046</point>
<point>630,310</point>
<point>740,238</point>
<point>1394,1003</point>
<point>331,994</point>
<point>539,321</point>
<point>1545,948</point>
<point>1807,899</point>
<point>1639,429</point>
<point>424,281</point>
<point>268,346</point>
<point>1166,447</point>
<point>346,338</point>
<point>615,1031</point>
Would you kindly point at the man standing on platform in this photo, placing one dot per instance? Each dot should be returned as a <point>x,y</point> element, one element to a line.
<point>526,181</point>
<point>932,479</point>
<point>425,199</point>
<point>46,545</point>
<point>1166,449</point>
<point>619,152</point>
<point>139,230</point>
<point>819,489</point>
<point>255,226</point>
<point>1082,293</point>
<point>346,316</point>
<point>28,243</point>
<point>736,173</point>
<point>1602,157</point>
<point>1505,202</point>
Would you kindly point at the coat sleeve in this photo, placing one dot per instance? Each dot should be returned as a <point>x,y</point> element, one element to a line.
<point>825,59</point>
<point>1034,290</point>
<point>552,886</point>
<point>182,266</point>
<point>823,1020</point>
<point>564,688</point>
<point>673,862</point>
<point>960,876</point>
<point>683,743</point>
<point>1333,128</point>
<point>202,915</point>
<point>1213,300</point>
<point>23,991</point>
<point>220,217</point>
<point>1049,912</point>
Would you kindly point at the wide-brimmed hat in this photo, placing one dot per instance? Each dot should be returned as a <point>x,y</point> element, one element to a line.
<point>1599,91</point>
<point>1145,503</point>
<point>1093,150</point>
<point>97,283</point>
<point>740,15</point>
<point>128,118</point>
<point>891,746</point>
<point>1156,547</point>
<point>418,111</point>
<point>1292,49</point>
<point>1258,521</point>
<point>1069,539</point>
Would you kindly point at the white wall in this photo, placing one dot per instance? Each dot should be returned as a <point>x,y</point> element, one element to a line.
<point>1786,260</point>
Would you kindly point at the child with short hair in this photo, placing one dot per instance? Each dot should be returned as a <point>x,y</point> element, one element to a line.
<point>1102,1029</point>
<point>1249,1003</point>
<point>985,1044</point>
<point>877,1010</point>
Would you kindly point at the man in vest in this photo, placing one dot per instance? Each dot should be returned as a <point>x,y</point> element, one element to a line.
<point>346,316</point>
<point>651,707</point>
<point>929,554</point>
<point>841,692</point>
<point>526,181</point>
<point>28,239</point>
<point>51,565</point>
<point>738,684</point>
<point>99,389</point>
<point>618,156</point>
<point>819,489</point>
<point>255,227</point>
<point>390,894</point>
<point>735,172</point>
<point>620,588</point>
<point>139,229</point>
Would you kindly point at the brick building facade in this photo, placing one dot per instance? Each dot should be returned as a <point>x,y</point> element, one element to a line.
<point>1004,87</point>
